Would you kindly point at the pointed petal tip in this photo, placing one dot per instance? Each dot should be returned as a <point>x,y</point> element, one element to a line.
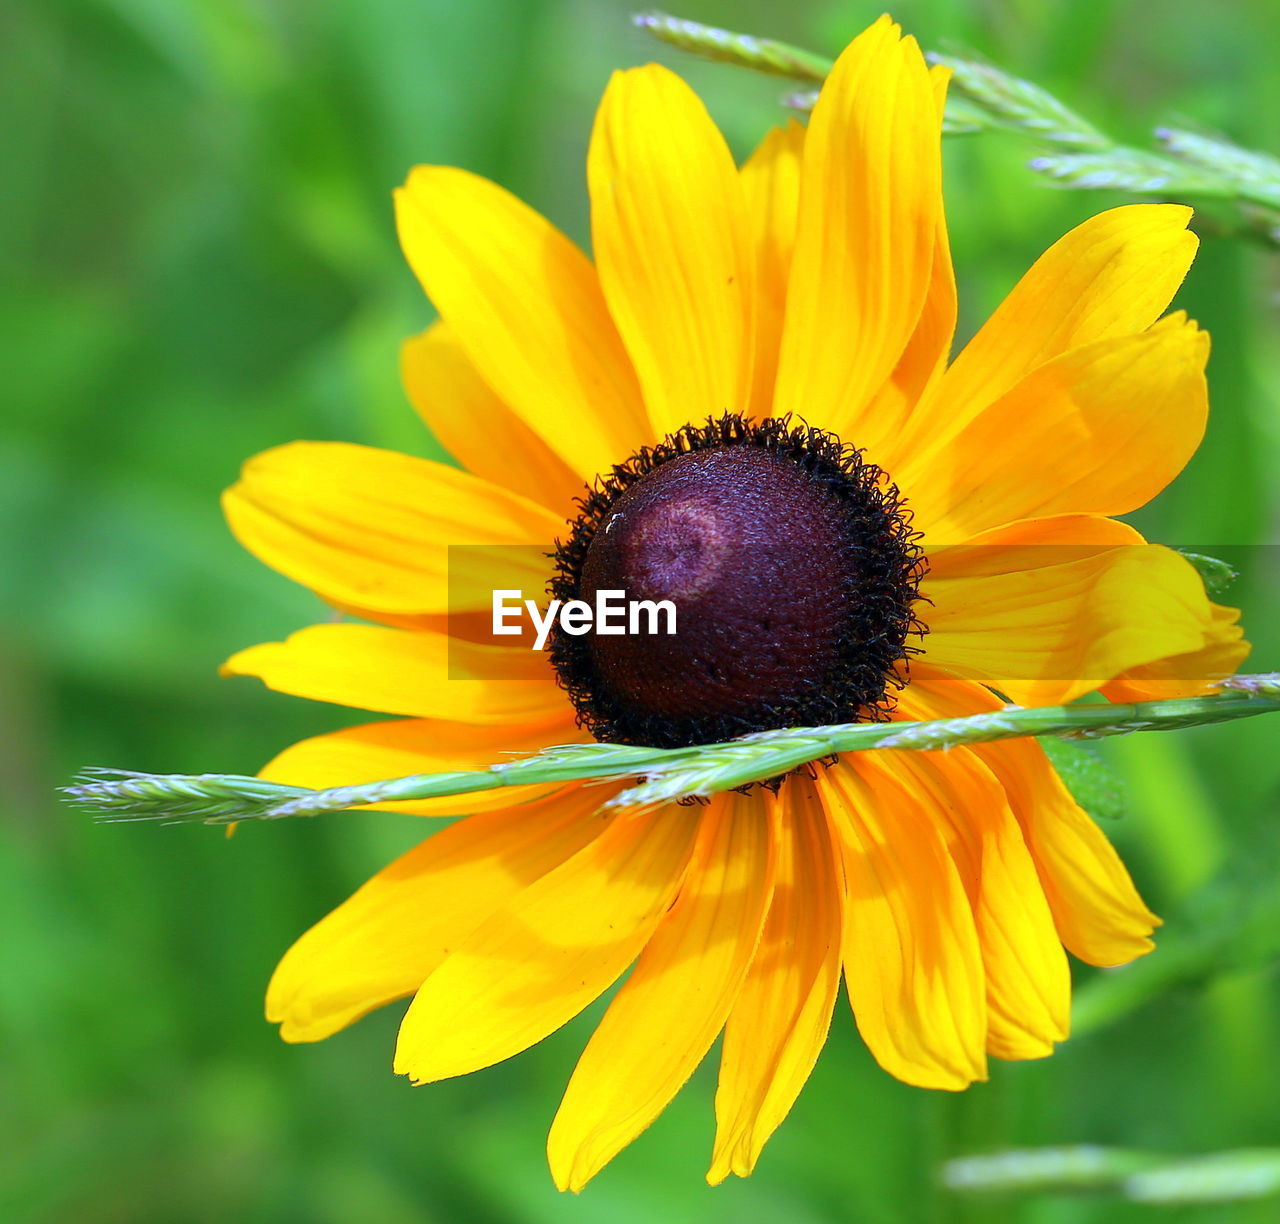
<point>568,1169</point>
<point>1136,947</point>
<point>638,77</point>
<point>275,1007</point>
<point>419,1062</point>
<point>949,1080</point>
<point>296,1034</point>
<point>739,1162</point>
<point>404,1063</point>
<point>1159,216</point>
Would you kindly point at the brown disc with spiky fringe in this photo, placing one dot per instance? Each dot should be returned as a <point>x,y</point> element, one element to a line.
<point>793,570</point>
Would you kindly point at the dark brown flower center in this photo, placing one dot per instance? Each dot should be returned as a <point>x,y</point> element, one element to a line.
<point>790,564</point>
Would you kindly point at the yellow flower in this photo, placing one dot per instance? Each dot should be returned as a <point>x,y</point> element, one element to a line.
<point>813,283</point>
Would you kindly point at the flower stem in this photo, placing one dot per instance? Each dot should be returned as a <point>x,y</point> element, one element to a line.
<point>667,774</point>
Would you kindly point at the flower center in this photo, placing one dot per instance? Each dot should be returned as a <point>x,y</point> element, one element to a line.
<point>792,568</point>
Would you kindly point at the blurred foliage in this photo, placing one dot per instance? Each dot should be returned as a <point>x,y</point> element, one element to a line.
<point>1144,1177</point>
<point>199,263</point>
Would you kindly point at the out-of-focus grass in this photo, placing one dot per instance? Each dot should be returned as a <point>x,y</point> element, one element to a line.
<point>199,263</point>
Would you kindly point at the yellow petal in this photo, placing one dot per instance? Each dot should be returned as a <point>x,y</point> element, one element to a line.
<point>780,1021</point>
<point>1096,909</point>
<point>1190,674</point>
<point>870,200</point>
<point>1075,534</point>
<point>672,246</point>
<point>1099,430</point>
<point>383,942</point>
<point>1046,623</point>
<point>924,359</point>
<point>771,183</point>
<point>550,951</point>
<point>527,309</point>
<point>371,530</point>
<point>477,428</point>
<point>1028,984</point>
<point>664,1019</point>
<point>1071,536</point>
<point>1111,276</point>
<point>1062,537</point>
<point>912,961</point>
<point>424,675</point>
<point>420,745</point>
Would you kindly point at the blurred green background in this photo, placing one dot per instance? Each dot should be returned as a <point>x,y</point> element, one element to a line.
<point>200,263</point>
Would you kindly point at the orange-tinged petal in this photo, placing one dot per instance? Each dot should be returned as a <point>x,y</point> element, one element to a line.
<point>1062,537</point>
<point>383,942</point>
<point>1110,276</point>
<point>664,1019</point>
<point>870,201</point>
<point>1098,913</point>
<point>1028,983</point>
<point>476,427</point>
<point>780,1021</point>
<point>1189,674</point>
<point>1046,624</point>
<point>771,183</point>
<point>396,749</point>
<point>912,961</point>
<point>1099,430</point>
<point>554,948</point>
<point>425,675</point>
<point>527,309</point>
<point>672,246</point>
<point>371,530</point>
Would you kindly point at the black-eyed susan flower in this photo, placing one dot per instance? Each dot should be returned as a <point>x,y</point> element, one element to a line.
<point>752,383</point>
